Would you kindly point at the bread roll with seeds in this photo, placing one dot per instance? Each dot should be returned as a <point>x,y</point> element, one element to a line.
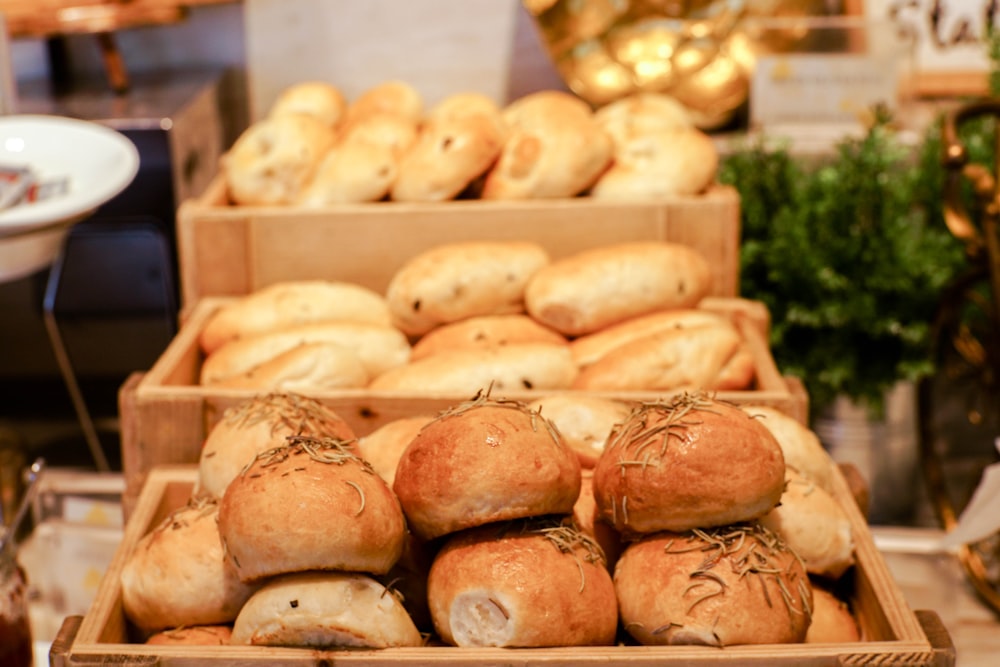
<point>484,331</point>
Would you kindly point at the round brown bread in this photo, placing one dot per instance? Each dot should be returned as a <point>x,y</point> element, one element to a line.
<point>483,461</point>
<point>801,447</point>
<point>178,575</point>
<point>596,288</point>
<point>584,421</point>
<point>718,587</point>
<point>310,505</point>
<point>260,424</point>
<point>525,584</point>
<point>325,610</point>
<point>383,446</point>
<point>690,462</point>
<point>814,525</point>
<point>319,99</point>
<point>832,620</point>
<point>195,635</point>
<point>484,331</point>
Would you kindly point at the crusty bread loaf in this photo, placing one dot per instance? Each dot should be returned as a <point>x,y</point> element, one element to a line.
<point>290,303</point>
<point>319,99</point>
<point>378,346</point>
<point>273,159</point>
<point>832,620</point>
<point>484,331</point>
<point>325,610</point>
<point>482,461</point>
<point>671,359</point>
<point>658,164</point>
<point>194,635</point>
<point>178,575</point>
<point>801,447</point>
<point>597,288</point>
<point>392,96</point>
<point>691,462</point>
<point>307,367</point>
<point>511,368</point>
<point>455,281</point>
<point>383,446</point>
<point>589,348</point>
<point>716,587</point>
<point>814,525</point>
<point>584,421</point>
<point>261,423</point>
<point>310,505</point>
<point>525,584</point>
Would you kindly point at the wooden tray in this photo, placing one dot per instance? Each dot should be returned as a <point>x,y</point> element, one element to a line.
<point>893,635</point>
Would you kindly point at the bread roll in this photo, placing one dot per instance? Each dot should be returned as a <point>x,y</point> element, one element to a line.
<point>718,587</point>
<point>379,348</point>
<point>256,426</point>
<point>325,610</point>
<point>177,575</point>
<point>464,104</point>
<point>307,367</point>
<point>319,99</point>
<point>640,114</point>
<point>511,368</point>
<point>455,281</point>
<point>386,129</point>
<point>484,331</point>
<point>544,106</point>
<point>584,421</point>
<point>589,348</point>
<point>526,584</point>
<point>395,97</point>
<point>671,359</point>
<point>291,303</point>
<point>483,461</point>
<point>738,373</point>
<point>597,288</point>
<point>351,172</point>
<point>310,505</point>
<point>195,635</point>
<point>692,462</point>
<point>801,448</point>
<point>832,620</point>
<point>449,153</point>
<point>658,164</point>
<point>383,446</point>
<point>814,525</point>
<point>274,158</point>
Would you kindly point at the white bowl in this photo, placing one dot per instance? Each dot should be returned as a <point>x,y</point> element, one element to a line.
<point>97,161</point>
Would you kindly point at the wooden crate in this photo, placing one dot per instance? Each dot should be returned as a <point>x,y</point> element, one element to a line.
<point>228,250</point>
<point>892,634</point>
<point>165,414</point>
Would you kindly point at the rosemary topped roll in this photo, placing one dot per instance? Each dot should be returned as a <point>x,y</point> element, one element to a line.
<point>311,504</point>
<point>692,462</point>
<point>730,585</point>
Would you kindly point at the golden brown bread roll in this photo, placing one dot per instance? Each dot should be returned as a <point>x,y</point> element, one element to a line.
<point>658,164</point>
<point>351,172</point>
<point>178,575</point>
<point>640,114</point>
<point>484,331</point>
<point>524,584</point>
<point>541,107</point>
<point>319,99</point>
<point>832,620</point>
<point>717,587</point>
<point>312,504</point>
<point>455,281</point>
<point>483,461</point>
<point>671,359</point>
<point>320,366</point>
<point>814,525</point>
<point>597,288</point>
<point>383,446</point>
<point>463,104</point>
<point>738,373</point>
<point>195,635</point>
<point>393,96</point>
<point>290,303</point>
<point>274,158</point>
<point>510,368</point>
<point>584,421</point>
<point>325,610</point>
<point>801,447</point>
<point>385,129</point>
<point>261,423</point>
<point>378,346</point>
<point>671,466</point>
